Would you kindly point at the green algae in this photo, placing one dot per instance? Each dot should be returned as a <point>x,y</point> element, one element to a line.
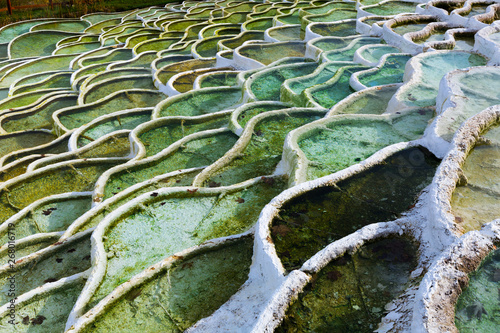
<point>169,60</point>
<point>80,75</point>
<point>59,80</point>
<point>77,48</point>
<point>105,88</point>
<point>346,143</point>
<point>66,26</point>
<point>477,307</point>
<point>235,18</point>
<point>184,82</point>
<point>158,44</point>
<point>287,33</point>
<point>338,29</point>
<point>133,41</point>
<point>293,17</point>
<point>270,12</point>
<point>180,179</point>
<point>115,73</point>
<point>413,27</point>
<point>225,78</point>
<point>57,146</point>
<point>117,145</point>
<point>75,63</point>
<point>70,259</point>
<point>266,86</point>
<point>391,8</point>
<point>181,25</point>
<point>350,293</point>
<point>207,47</point>
<point>240,7</point>
<point>367,102</point>
<point>192,289</point>
<point>247,111</point>
<point>293,88</point>
<point>204,14</point>
<point>23,250</point>
<point>200,102</point>
<point>114,55</point>
<point>158,138</point>
<point>22,140</point>
<point>209,30</point>
<point>269,53</point>
<point>263,153</point>
<point>237,41</point>
<point>325,8</point>
<point>143,60</point>
<point>228,54</point>
<point>334,43</point>
<point>78,39</point>
<point>166,72</point>
<point>18,168</point>
<point>167,225</point>
<point>35,44</point>
<point>123,37</point>
<point>128,120</point>
<point>7,65</point>
<point>96,18</point>
<point>229,32</point>
<point>476,202</point>
<point>178,49</point>
<point>335,89</point>
<point>162,22</point>
<point>347,53</point>
<point>11,31</point>
<point>258,24</point>
<point>39,117</point>
<point>79,176</point>
<point>43,64</point>
<point>28,100</point>
<point>382,193</point>
<point>123,28</point>
<point>391,71</point>
<point>74,117</point>
<point>97,27</point>
<point>331,16</point>
<point>194,153</point>
<point>53,307</point>
<point>373,53</point>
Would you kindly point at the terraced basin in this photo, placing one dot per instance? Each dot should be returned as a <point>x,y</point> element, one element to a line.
<point>350,292</point>
<point>390,197</point>
<point>476,301</point>
<point>473,204</point>
<point>240,166</point>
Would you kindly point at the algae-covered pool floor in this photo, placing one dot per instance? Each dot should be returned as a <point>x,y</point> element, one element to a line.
<point>235,166</point>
